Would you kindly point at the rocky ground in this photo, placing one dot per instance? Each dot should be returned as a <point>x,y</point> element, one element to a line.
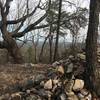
<point>63,80</point>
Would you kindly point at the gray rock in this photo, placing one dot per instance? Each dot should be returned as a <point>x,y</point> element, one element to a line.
<point>32,97</point>
<point>70,68</point>
<point>84,92</point>
<point>71,96</point>
<point>78,85</point>
<point>71,57</point>
<point>89,97</point>
<point>60,69</point>
<point>16,96</point>
<point>38,78</point>
<point>69,86</point>
<point>81,56</point>
<point>54,88</point>
<point>56,63</point>
<point>49,95</point>
<point>28,91</point>
<point>48,84</point>
<point>81,97</point>
<point>63,96</point>
<point>68,89</point>
<point>42,83</point>
<point>55,81</point>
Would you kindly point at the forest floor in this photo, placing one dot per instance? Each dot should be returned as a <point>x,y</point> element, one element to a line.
<point>11,74</point>
<point>44,81</point>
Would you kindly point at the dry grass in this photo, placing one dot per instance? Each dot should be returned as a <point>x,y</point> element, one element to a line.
<point>11,74</point>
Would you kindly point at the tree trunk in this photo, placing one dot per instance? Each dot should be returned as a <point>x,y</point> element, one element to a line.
<point>12,46</point>
<point>58,28</point>
<point>13,49</point>
<point>41,52</point>
<point>11,43</point>
<point>91,45</point>
<point>50,43</point>
<point>35,44</point>
<point>74,45</point>
<point>35,54</point>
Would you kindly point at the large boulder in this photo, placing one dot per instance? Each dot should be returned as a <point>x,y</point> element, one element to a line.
<point>70,68</point>
<point>48,84</point>
<point>3,56</point>
<point>78,85</point>
<point>60,69</point>
<point>81,56</point>
<point>84,95</point>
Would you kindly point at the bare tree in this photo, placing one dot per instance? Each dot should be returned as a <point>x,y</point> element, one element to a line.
<point>91,44</point>
<point>35,44</point>
<point>42,48</point>
<point>10,36</point>
<point>58,30</point>
<point>66,23</point>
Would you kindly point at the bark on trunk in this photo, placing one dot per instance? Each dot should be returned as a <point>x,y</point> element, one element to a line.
<point>13,48</point>
<point>91,45</point>
<point>58,29</point>
<point>41,52</point>
<point>8,39</point>
<point>50,43</point>
<point>50,53</point>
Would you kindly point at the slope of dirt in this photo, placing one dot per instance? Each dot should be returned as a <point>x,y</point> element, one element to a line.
<point>15,73</point>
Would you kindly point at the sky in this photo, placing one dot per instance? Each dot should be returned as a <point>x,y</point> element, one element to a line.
<point>82,3</point>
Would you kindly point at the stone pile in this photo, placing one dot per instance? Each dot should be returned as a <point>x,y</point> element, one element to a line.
<point>62,81</point>
<point>51,89</point>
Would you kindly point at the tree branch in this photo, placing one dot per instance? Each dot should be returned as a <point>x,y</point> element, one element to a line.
<point>31,27</point>
<point>7,6</point>
<point>20,34</point>
<point>24,17</point>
